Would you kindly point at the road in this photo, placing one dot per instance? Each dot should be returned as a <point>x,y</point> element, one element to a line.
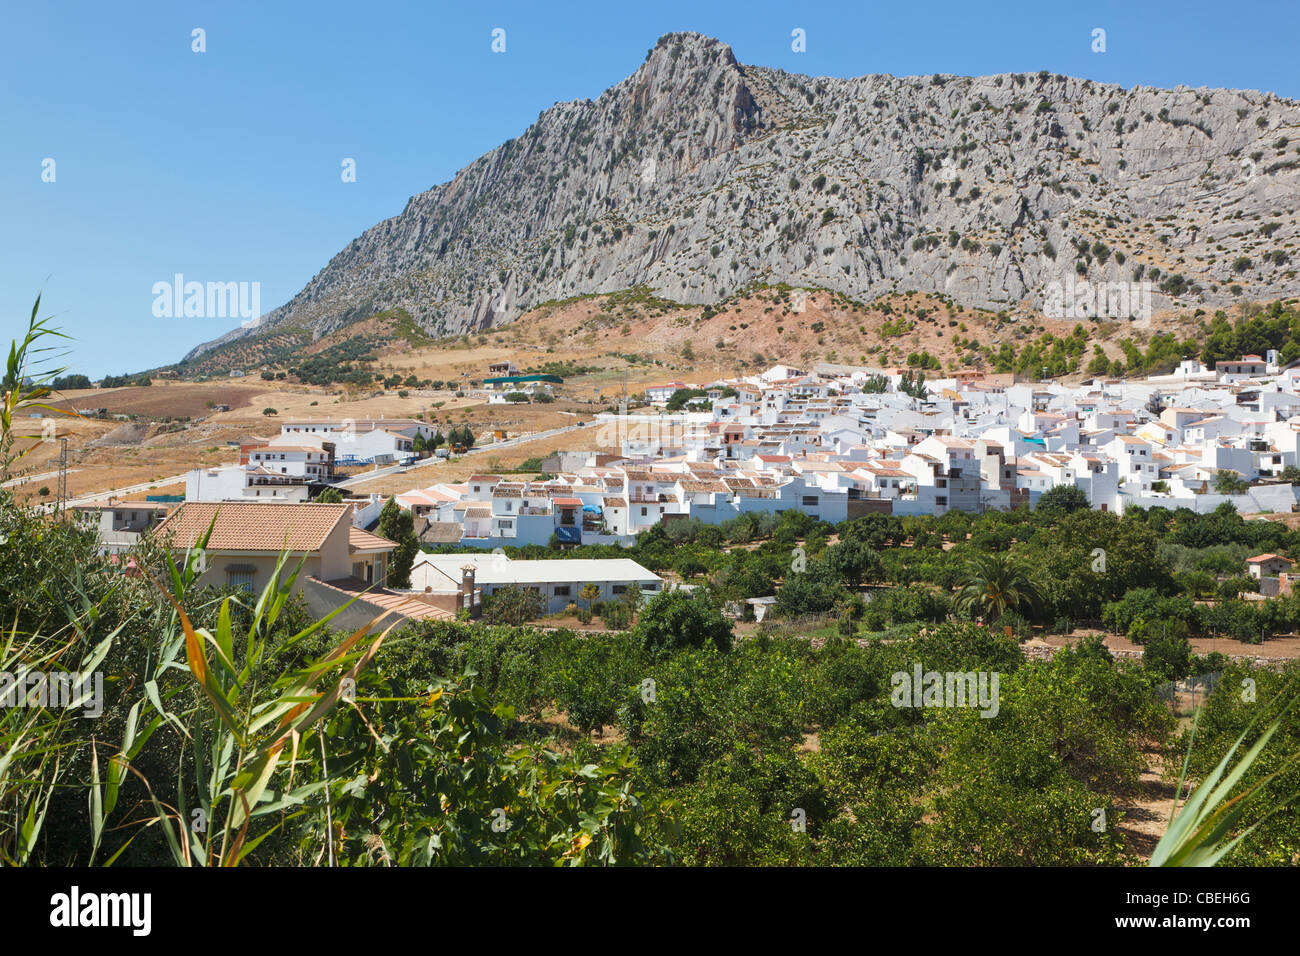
<point>13,482</point>
<point>128,490</point>
<point>477,449</point>
<point>347,483</point>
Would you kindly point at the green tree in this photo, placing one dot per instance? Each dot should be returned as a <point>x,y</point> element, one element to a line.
<point>676,619</point>
<point>682,397</point>
<point>995,584</point>
<point>913,384</point>
<point>512,604</point>
<point>854,561</point>
<point>1068,739</point>
<point>1166,652</point>
<point>1088,557</point>
<point>1062,499</point>
<point>1229,483</point>
<point>397,525</point>
<point>816,590</point>
<point>592,682</point>
<point>457,790</point>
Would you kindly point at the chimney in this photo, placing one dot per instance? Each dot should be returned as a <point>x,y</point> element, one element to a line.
<point>467,586</point>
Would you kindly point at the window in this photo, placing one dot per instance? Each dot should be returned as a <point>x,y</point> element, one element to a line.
<point>618,589</point>
<point>563,590</point>
<point>642,512</point>
<point>810,500</point>
<point>242,579</point>
<point>941,499</point>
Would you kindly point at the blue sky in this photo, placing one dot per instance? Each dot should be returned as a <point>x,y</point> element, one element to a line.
<point>225,165</point>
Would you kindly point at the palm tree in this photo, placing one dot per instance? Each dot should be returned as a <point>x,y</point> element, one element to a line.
<point>995,584</point>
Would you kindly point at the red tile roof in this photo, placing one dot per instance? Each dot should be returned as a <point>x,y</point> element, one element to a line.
<point>359,540</point>
<point>253,526</point>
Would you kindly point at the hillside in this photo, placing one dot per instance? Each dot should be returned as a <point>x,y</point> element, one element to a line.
<point>697,176</point>
<point>598,341</point>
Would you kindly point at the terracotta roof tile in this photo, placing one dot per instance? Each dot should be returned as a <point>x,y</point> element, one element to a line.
<point>714,486</point>
<point>253,526</point>
<point>408,607</point>
<point>443,532</point>
<point>359,540</point>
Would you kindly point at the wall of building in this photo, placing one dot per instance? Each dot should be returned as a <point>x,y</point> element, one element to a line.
<point>555,602</point>
<point>263,567</point>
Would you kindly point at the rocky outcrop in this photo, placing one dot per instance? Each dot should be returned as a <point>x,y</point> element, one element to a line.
<point>697,175</point>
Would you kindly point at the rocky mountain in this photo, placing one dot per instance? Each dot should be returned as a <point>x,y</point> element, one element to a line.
<point>697,176</point>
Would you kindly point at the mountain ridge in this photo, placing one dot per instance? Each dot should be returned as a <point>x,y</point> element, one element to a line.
<point>697,175</point>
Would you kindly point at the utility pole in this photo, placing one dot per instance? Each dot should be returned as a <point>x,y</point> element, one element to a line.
<point>62,496</point>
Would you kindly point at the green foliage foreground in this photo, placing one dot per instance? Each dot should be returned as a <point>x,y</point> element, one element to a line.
<point>236,730</point>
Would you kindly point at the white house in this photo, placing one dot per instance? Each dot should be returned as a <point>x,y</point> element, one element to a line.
<point>559,582</point>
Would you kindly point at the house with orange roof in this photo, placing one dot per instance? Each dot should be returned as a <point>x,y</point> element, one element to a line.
<point>340,564</point>
<point>1267,565</point>
<point>247,538</point>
